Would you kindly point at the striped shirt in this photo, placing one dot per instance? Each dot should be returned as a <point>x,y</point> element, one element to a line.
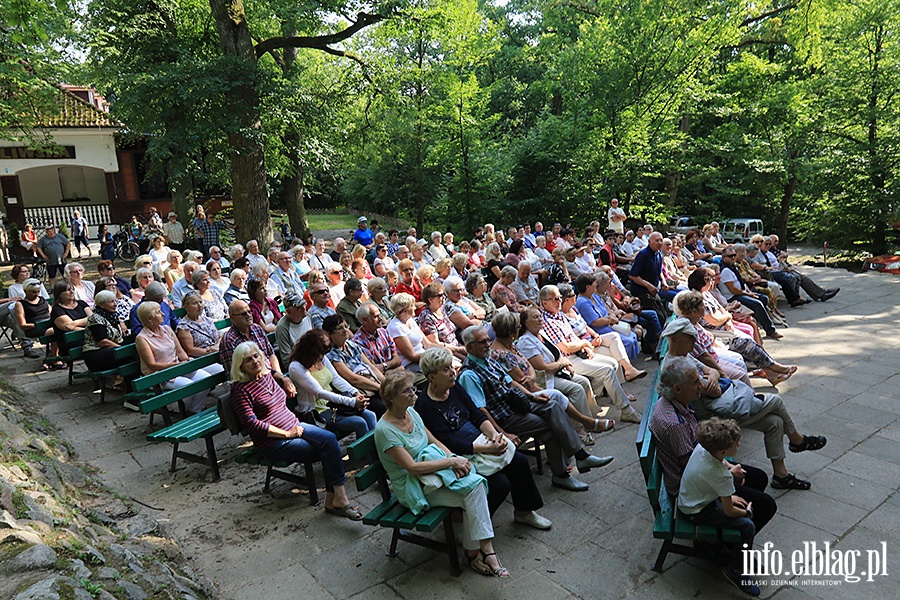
<point>260,404</point>
<point>379,348</point>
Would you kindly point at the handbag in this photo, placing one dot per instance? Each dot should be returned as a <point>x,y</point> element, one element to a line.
<point>488,464</point>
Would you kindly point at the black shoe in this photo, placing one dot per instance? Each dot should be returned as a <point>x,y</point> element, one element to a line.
<point>30,353</point>
<point>829,294</point>
<point>740,582</point>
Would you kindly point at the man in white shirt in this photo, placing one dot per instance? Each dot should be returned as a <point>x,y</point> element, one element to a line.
<point>183,285</point>
<point>174,232</point>
<point>640,240</point>
<point>616,216</point>
<point>253,255</point>
<point>287,275</point>
<point>524,286</point>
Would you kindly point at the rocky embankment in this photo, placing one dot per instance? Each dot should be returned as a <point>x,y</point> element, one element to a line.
<point>64,536</point>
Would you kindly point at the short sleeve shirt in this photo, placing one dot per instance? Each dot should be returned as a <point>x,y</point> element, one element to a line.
<point>728,276</point>
<point>558,328</point>
<point>386,437</point>
<point>54,248</point>
<point>705,479</point>
<point>235,338</point>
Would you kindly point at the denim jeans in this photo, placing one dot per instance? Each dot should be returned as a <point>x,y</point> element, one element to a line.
<point>713,515</point>
<point>314,444</point>
<point>359,424</point>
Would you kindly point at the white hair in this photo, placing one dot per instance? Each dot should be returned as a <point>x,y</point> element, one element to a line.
<point>241,353</point>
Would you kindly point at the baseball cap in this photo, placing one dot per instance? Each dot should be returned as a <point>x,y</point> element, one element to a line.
<point>171,214</point>
<point>680,325</point>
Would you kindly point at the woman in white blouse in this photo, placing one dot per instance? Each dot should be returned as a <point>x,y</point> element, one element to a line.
<point>84,290</point>
<point>405,332</point>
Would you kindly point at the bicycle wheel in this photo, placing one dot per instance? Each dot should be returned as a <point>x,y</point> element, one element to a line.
<point>39,271</point>
<point>128,251</point>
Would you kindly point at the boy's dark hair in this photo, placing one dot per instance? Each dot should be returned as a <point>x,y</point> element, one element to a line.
<point>718,434</point>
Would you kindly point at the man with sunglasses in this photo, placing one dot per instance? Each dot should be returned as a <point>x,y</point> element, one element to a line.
<point>243,329</point>
<point>320,309</point>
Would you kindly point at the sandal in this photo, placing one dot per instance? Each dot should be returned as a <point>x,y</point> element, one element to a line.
<point>477,564</point>
<point>635,376</point>
<point>501,571</point>
<point>588,440</point>
<point>346,511</point>
<point>790,482</point>
<point>608,425</point>
<point>810,442</point>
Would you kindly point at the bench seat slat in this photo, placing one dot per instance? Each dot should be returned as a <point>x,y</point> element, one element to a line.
<point>432,519</point>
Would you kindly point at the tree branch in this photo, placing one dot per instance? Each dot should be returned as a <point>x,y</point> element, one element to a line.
<point>767,14</point>
<point>318,42</point>
<point>355,58</point>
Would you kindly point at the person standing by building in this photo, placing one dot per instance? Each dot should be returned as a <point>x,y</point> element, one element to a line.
<point>54,248</point>
<point>174,232</point>
<point>80,232</point>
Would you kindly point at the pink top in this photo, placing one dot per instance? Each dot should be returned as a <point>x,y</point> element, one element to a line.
<point>162,345</point>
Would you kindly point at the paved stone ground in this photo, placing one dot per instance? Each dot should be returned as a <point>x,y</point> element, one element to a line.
<point>277,546</point>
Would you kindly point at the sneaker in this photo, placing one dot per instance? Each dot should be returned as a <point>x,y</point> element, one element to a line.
<point>740,582</point>
<point>631,416</point>
<point>31,353</point>
<point>131,405</point>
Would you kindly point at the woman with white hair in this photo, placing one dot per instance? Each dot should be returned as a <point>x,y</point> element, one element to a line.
<point>158,348</point>
<point>213,301</point>
<point>103,332</point>
<point>260,270</point>
<point>237,251</point>
<point>436,250</point>
<point>237,290</point>
<point>502,294</point>
<point>84,290</point>
<point>260,405</point>
<point>143,277</point>
<point>405,331</point>
<point>458,308</point>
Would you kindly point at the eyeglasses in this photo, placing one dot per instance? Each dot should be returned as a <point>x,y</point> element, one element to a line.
<point>410,391</point>
<point>320,292</point>
<point>109,268</point>
<point>729,255</point>
<point>554,299</point>
<point>484,342</point>
<point>243,314</point>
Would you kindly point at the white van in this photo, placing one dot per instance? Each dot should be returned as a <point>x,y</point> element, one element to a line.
<point>739,231</point>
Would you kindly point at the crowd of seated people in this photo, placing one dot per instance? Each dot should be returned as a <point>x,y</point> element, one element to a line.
<point>453,354</point>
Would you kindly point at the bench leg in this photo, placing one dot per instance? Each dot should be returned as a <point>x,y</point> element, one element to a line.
<point>213,461</point>
<point>311,484</point>
<point>268,479</point>
<point>539,466</point>
<point>71,373</point>
<point>451,546</point>
<point>661,557</point>
<point>394,539</point>
<point>174,456</point>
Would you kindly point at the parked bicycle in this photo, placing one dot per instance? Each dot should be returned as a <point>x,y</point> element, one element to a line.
<point>126,248</point>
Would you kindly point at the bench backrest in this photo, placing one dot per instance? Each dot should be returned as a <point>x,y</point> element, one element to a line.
<point>162,400</point>
<point>148,381</point>
<point>372,474</point>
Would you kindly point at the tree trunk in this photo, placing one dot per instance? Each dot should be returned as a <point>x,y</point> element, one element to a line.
<point>877,168</point>
<point>294,188</point>
<point>248,173</point>
<point>182,190</point>
<point>786,198</point>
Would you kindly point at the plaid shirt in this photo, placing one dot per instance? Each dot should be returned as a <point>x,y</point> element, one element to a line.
<point>379,348</point>
<point>675,428</point>
<point>558,329</point>
<point>210,232</point>
<point>234,338</point>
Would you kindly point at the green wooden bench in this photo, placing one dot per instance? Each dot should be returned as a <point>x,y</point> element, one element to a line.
<point>669,524</point>
<point>390,513</point>
<point>275,470</point>
<point>121,353</point>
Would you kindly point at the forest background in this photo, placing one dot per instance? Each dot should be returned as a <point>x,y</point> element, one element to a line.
<point>453,113</point>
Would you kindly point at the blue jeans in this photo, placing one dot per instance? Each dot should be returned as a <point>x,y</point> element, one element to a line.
<point>346,424</point>
<point>759,312</point>
<point>315,444</point>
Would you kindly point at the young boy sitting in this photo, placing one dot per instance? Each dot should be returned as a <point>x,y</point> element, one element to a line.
<point>706,496</point>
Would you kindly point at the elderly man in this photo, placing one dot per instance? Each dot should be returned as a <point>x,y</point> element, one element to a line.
<point>350,303</point>
<point>183,285</point>
<point>155,292</point>
<point>215,253</point>
<point>373,338</point>
<point>720,397</point>
<point>520,414</point>
<point>173,230</point>
<point>292,325</point>
<point>601,371</point>
<point>287,277</point>
<point>401,253</point>
<point>320,309</point>
<point>616,216</point>
<point>338,247</point>
<point>786,275</point>
<point>524,286</point>
<point>243,329</point>
<point>253,256</point>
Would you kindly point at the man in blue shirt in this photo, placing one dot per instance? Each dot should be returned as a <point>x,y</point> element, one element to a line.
<point>646,272</point>
<point>363,235</point>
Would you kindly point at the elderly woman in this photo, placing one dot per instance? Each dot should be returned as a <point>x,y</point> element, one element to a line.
<point>476,287</point>
<point>197,332</point>
<point>352,364</point>
<point>237,290</point>
<point>675,277</point>
<point>540,250</point>
<point>425,275</point>
<point>437,328</point>
<point>20,273</point>
<point>124,303</point>
<point>104,331</point>
<point>30,310</point>
<point>502,294</point>
<point>143,262</point>
<point>378,290</point>
<point>265,310</point>
<point>158,348</point>
<point>174,270</point>
<point>720,317</point>
<point>437,249</point>
<point>301,265</point>
<point>159,252</point>
<point>143,278</point>
<point>346,262</point>
<point>216,278</point>
<point>237,251</point>
<point>558,272</point>
<point>459,266</point>
<point>442,269</point>
<point>409,451</point>
<point>746,258</point>
<point>260,271</point>
<point>359,251</point>
<point>409,284</point>
<point>321,390</point>
<point>595,313</point>
<point>609,345</point>
<point>458,308</point>
<point>405,332</point>
<point>739,351</point>
<point>213,301</point>
<point>507,327</point>
<point>84,290</point>
<point>448,412</point>
<point>260,405</point>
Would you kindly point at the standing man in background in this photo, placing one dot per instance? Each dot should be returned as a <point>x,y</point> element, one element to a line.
<point>174,232</point>
<point>616,216</point>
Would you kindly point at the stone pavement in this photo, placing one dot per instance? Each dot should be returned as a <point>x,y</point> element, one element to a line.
<point>277,546</point>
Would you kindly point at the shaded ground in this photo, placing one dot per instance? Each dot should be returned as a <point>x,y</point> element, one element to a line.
<point>277,546</point>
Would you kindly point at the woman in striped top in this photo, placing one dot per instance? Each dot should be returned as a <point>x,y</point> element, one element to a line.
<point>259,403</point>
